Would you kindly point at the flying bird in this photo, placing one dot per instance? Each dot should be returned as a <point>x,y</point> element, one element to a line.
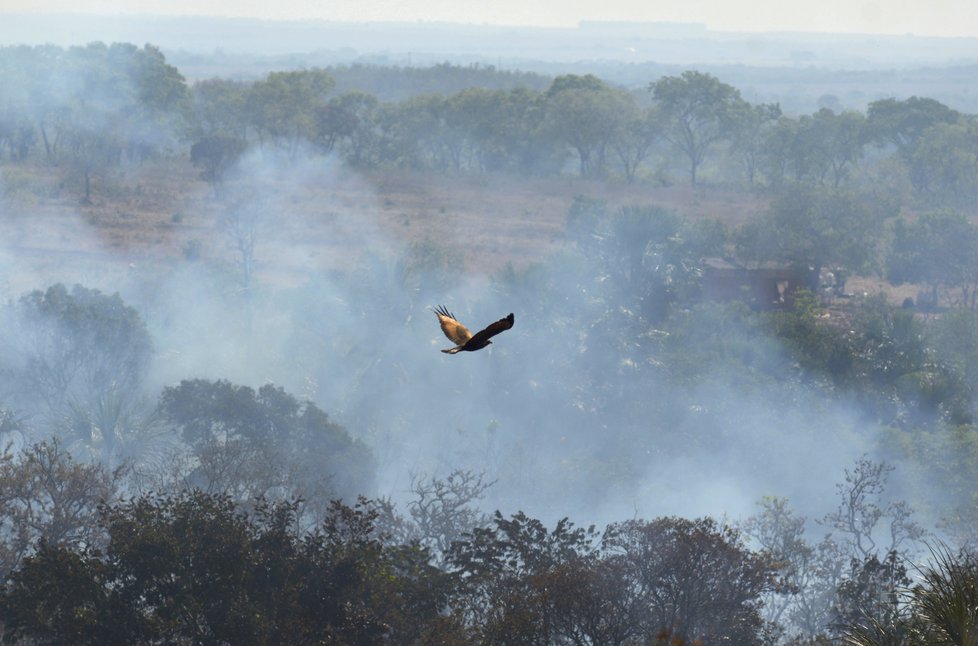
<point>460,335</point>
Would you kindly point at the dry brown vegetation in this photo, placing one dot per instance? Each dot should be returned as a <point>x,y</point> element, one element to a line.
<point>317,217</point>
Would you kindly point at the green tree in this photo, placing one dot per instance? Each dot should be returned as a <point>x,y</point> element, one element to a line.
<point>58,596</point>
<point>477,112</point>
<point>777,150</point>
<point>699,110</point>
<point>195,568</point>
<point>161,97</point>
<point>517,578</point>
<point>88,149</point>
<point>216,155</point>
<point>902,124</point>
<point>283,105</point>
<point>898,371</point>
<point>843,137</point>
<point>334,122</point>
<point>634,141</point>
<point>648,255</point>
<point>415,134</point>
<point>218,108</point>
<point>753,123</point>
<point>20,104</point>
<point>945,162</point>
<point>694,578</point>
<point>954,337</point>
<point>815,149</point>
<point>352,119</point>
<point>585,114</point>
<point>813,229</point>
<point>251,443</point>
<point>936,249</point>
<point>520,138</point>
<point>17,136</point>
<point>76,348</point>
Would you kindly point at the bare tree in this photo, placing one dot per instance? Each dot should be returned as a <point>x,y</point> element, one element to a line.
<point>242,222</point>
<point>442,512</point>
<point>872,526</point>
<point>444,509</point>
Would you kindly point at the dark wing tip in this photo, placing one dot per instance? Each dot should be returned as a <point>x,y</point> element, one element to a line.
<point>441,309</point>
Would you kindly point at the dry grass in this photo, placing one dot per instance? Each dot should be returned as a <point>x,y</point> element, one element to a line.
<point>318,218</point>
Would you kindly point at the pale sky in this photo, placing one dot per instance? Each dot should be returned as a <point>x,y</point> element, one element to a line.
<point>919,17</point>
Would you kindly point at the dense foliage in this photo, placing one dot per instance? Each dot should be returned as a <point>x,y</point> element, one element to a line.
<point>194,568</point>
<point>693,123</point>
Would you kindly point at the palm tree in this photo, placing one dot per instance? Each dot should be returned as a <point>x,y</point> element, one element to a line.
<point>942,609</point>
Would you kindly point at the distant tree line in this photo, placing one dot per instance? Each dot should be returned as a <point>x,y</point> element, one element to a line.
<point>93,107</point>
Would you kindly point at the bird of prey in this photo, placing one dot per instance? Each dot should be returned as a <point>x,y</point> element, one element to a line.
<point>460,335</point>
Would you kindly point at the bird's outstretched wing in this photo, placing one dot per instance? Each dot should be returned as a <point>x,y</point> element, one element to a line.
<point>492,330</point>
<point>455,331</point>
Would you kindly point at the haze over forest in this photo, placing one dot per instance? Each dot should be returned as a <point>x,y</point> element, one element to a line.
<point>222,240</point>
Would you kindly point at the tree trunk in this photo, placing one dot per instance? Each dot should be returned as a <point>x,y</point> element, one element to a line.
<point>47,144</point>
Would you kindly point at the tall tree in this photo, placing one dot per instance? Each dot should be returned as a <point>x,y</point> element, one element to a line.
<point>843,137</point>
<point>634,141</point>
<point>692,578</point>
<point>945,162</point>
<point>216,155</point>
<point>519,577</point>
<point>585,114</point>
<point>75,348</point>
<point>161,97</point>
<point>902,123</point>
<point>815,228</point>
<point>936,249</point>
<point>351,120</point>
<point>252,443</point>
<point>753,124</point>
<point>700,111</point>
<point>218,108</point>
<point>282,106</point>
